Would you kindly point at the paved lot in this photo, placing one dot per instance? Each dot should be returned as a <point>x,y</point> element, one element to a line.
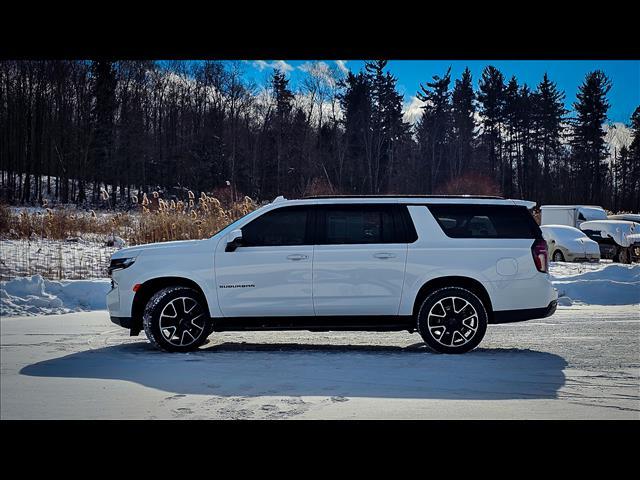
<point>584,362</point>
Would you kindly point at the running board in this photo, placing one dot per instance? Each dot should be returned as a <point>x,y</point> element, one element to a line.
<point>377,323</point>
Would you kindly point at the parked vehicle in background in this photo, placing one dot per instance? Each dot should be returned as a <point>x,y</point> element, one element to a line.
<point>571,215</point>
<point>441,266</point>
<point>618,240</point>
<point>629,217</point>
<point>569,244</point>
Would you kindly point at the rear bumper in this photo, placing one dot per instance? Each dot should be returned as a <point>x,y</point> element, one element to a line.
<point>510,316</point>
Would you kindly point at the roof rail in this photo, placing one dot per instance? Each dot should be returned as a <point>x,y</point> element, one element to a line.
<point>494,197</point>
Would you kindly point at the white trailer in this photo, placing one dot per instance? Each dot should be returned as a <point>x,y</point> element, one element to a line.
<point>571,215</point>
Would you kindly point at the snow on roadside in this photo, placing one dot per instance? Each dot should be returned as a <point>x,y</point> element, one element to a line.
<point>596,284</point>
<point>579,283</point>
<point>37,296</point>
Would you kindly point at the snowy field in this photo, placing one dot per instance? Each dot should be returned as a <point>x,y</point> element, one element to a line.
<point>581,363</point>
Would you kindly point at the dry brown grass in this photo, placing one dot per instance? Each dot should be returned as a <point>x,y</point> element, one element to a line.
<point>166,221</point>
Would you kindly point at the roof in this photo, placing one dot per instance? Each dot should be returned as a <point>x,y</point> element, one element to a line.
<point>494,197</point>
<point>406,199</point>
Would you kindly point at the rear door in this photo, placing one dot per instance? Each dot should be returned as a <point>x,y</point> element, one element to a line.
<point>359,259</point>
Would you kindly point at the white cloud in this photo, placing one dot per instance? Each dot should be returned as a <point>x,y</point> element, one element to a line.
<point>342,65</point>
<point>412,110</point>
<point>278,65</point>
<point>320,70</point>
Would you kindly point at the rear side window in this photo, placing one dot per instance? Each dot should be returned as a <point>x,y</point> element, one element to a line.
<point>362,224</point>
<point>486,221</point>
<point>284,226</point>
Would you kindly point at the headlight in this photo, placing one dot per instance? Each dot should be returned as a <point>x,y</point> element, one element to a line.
<point>120,263</point>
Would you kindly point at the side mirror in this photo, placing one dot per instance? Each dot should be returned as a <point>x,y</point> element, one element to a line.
<point>234,240</point>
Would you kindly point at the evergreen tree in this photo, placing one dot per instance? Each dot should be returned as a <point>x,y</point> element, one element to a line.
<point>463,124</point>
<point>632,202</point>
<point>589,148</point>
<point>356,104</point>
<point>491,98</point>
<point>434,130</point>
<point>549,112</point>
<point>104,87</point>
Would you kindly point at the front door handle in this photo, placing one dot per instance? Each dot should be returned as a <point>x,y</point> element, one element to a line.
<point>297,256</point>
<point>384,255</point>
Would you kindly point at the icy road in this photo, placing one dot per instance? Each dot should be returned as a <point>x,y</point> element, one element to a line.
<point>584,362</point>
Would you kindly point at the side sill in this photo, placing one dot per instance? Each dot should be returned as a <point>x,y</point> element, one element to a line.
<point>510,316</point>
<point>381,323</point>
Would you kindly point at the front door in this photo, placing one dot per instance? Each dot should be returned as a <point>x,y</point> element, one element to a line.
<point>270,274</point>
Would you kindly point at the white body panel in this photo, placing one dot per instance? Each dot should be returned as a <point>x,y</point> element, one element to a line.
<point>264,281</point>
<point>329,280</point>
<point>358,279</point>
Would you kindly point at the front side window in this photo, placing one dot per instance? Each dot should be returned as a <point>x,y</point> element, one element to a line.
<point>284,226</point>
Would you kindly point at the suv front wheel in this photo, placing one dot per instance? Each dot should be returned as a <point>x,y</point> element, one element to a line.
<point>176,320</point>
<point>452,320</point>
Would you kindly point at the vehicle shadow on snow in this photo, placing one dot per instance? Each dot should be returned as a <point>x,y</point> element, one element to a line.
<point>247,369</point>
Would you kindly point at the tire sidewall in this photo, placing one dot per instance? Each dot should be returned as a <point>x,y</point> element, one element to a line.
<point>151,318</point>
<point>439,294</point>
<point>556,254</point>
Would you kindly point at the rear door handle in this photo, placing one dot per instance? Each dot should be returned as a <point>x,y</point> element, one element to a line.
<point>384,255</point>
<point>297,256</point>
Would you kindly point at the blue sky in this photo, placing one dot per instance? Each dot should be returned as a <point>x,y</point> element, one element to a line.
<point>624,96</point>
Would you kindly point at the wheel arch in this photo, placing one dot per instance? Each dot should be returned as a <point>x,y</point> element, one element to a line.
<point>454,281</point>
<point>151,286</point>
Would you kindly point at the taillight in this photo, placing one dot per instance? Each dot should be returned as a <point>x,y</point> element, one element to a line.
<point>540,255</point>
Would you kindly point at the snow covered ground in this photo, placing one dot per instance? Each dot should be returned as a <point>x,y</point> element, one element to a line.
<point>596,283</point>
<point>76,258</point>
<point>581,363</point>
<point>37,296</point>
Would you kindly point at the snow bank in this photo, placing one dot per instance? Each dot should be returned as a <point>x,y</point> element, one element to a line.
<point>37,296</point>
<point>596,284</point>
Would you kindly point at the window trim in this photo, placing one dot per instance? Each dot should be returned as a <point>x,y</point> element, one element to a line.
<point>397,212</point>
<point>310,227</point>
<point>535,231</point>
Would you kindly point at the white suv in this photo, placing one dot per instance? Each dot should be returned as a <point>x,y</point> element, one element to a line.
<point>442,266</point>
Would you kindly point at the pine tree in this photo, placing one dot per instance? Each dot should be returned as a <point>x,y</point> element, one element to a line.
<point>633,168</point>
<point>549,112</point>
<point>463,124</point>
<point>589,148</point>
<point>434,130</point>
<point>491,98</point>
<point>103,124</point>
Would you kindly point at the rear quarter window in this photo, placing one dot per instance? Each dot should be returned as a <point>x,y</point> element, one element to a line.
<point>485,221</point>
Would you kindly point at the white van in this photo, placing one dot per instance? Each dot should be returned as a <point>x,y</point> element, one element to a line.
<point>571,215</point>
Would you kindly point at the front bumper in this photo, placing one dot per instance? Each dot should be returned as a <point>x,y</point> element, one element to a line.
<point>510,316</point>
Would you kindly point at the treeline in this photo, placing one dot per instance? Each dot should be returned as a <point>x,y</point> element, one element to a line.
<point>73,130</point>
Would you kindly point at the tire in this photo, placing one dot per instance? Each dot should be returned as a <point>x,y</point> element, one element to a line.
<point>176,319</point>
<point>558,256</point>
<point>625,255</point>
<point>458,334</point>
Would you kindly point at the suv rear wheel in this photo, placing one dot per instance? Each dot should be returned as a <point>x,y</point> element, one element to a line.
<point>175,319</point>
<point>452,320</point>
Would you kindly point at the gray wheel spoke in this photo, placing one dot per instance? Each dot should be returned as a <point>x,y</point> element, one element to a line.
<point>454,327</point>
<point>177,324</point>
